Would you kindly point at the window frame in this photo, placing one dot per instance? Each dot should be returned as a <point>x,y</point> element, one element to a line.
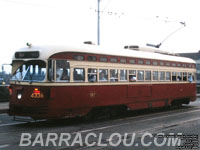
<point>114,78</point>
<point>74,75</point>
<point>140,62</point>
<point>157,72</point>
<point>95,74</point>
<point>103,59</point>
<point>132,75</point>
<point>113,58</point>
<point>155,63</point>
<point>162,77</point>
<point>174,76</point>
<point>148,62</point>
<point>138,75</point>
<point>92,58</point>
<point>126,75</point>
<point>61,75</point>
<point>170,76</point>
<point>132,61</point>
<point>123,60</point>
<point>147,71</point>
<point>79,57</point>
<point>106,76</point>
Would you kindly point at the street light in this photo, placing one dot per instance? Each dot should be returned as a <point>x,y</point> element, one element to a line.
<point>158,45</point>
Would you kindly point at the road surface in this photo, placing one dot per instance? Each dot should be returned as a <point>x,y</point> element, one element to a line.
<point>146,129</point>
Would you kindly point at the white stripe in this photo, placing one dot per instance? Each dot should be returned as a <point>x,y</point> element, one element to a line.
<point>3,146</point>
<point>10,124</point>
<point>100,83</point>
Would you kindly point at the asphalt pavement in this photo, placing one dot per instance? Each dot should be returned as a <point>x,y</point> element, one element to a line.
<point>105,134</point>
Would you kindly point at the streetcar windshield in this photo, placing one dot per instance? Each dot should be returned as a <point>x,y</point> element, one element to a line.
<point>31,71</point>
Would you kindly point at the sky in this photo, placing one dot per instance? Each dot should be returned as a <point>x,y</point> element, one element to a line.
<point>122,22</point>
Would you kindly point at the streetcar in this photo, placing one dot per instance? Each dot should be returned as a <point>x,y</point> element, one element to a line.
<point>61,81</point>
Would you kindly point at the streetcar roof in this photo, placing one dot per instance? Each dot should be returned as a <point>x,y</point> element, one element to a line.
<point>47,51</point>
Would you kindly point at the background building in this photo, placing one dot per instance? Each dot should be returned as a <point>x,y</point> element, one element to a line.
<point>196,57</point>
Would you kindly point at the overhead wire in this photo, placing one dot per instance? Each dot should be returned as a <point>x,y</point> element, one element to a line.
<point>106,5</point>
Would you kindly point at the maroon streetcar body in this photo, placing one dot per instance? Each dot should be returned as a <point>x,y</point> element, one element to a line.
<point>40,91</point>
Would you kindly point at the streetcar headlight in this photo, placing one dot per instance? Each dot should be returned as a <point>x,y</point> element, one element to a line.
<point>19,96</point>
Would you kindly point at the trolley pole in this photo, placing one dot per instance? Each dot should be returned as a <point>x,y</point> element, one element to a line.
<point>158,45</point>
<point>98,22</point>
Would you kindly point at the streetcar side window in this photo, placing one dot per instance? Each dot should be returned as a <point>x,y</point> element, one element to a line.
<point>132,61</point>
<point>190,78</point>
<point>168,76</point>
<point>103,75</point>
<point>103,59</point>
<point>78,57</point>
<point>114,60</point>
<point>155,75</point>
<point>122,60</point>
<point>132,76</point>
<point>173,64</point>
<point>161,63</point>
<point>148,62</point>
<point>174,76</point>
<point>62,71</point>
<point>140,75</point>
<point>148,75</point>
<point>155,63</point>
<point>194,76</point>
<point>140,62</point>
<point>113,75</point>
<point>184,76</point>
<point>179,76</point>
<point>79,74</point>
<point>92,58</point>
<point>92,75</point>
<point>162,75</point>
<point>167,64</point>
<point>123,75</point>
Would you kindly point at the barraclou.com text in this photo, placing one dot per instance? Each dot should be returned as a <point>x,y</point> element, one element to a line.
<point>93,139</point>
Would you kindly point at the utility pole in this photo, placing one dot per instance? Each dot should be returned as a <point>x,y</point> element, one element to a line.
<point>98,22</point>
